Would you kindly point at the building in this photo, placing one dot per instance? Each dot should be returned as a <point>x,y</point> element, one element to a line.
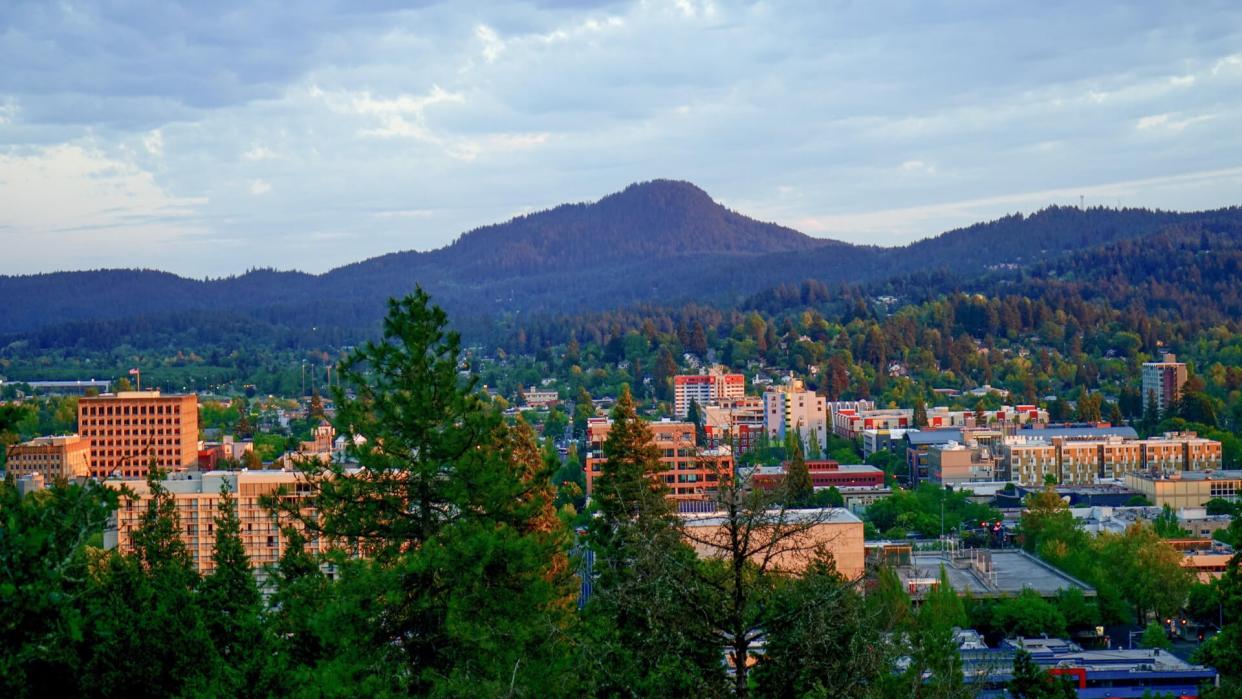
<point>883,440</point>
<point>1162,382</point>
<point>689,473</point>
<point>792,408</point>
<point>67,388</point>
<point>832,529</point>
<point>712,384</point>
<point>1107,672</point>
<point>540,397</point>
<point>984,573</point>
<point>850,423</point>
<point>857,499</point>
<point>53,458</point>
<point>210,454</point>
<point>131,430</point>
<point>197,496</point>
<point>825,473</point>
<point>1083,457</point>
<point>956,464</point>
<point>1182,489</point>
<point>736,422</point>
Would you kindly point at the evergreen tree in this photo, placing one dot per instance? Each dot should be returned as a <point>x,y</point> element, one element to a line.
<point>920,413</point>
<point>798,487</point>
<point>1030,681</point>
<point>44,584</point>
<point>642,641</point>
<point>232,606</point>
<point>452,508</point>
<point>243,429</point>
<point>143,613</point>
<point>695,417</point>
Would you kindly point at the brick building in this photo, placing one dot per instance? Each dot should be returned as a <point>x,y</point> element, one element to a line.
<point>198,499</point>
<point>54,458</point>
<point>690,473</point>
<point>131,429</point>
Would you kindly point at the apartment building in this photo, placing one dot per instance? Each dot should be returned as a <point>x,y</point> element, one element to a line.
<point>1084,459</point>
<point>537,397</point>
<point>792,408</point>
<point>53,458</point>
<point>689,473</point>
<point>131,430</point>
<point>715,383</point>
<point>957,464</point>
<point>1162,382</point>
<point>736,422</point>
<point>197,496</point>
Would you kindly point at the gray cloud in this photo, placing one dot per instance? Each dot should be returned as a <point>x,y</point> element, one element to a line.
<point>209,138</point>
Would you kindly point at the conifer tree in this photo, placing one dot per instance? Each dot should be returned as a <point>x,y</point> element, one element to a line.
<point>642,642</point>
<point>143,613</point>
<point>797,485</point>
<point>232,605</point>
<point>920,413</point>
<point>463,557</point>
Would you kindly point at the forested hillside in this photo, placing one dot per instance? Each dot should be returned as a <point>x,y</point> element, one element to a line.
<point>658,242</point>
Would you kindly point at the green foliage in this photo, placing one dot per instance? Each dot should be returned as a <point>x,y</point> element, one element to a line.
<point>821,640</point>
<point>919,510</point>
<point>1155,636</point>
<point>797,485</point>
<point>1028,614</point>
<point>1030,681</point>
<point>44,584</point>
<point>1166,524</point>
<point>638,636</point>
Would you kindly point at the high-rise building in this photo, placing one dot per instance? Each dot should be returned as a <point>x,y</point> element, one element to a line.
<point>792,408</point>
<point>53,458</point>
<point>713,384</point>
<point>197,496</point>
<point>131,430</point>
<point>1162,382</point>
<point>689,473</point>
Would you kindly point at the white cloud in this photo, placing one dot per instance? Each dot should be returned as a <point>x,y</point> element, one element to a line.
<point>154,143</point>
<point>260,187</point>
<point>106,210</point>
<point>259,152</point>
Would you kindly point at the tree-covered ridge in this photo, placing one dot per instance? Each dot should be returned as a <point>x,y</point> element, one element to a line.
<point>659,241</point>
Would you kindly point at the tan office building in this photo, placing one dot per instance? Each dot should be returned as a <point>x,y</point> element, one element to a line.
<point>53,458</point>
<point>131,429</point>
<point>198,500</point>
<point>835,530</point>
<point>1187,488</point>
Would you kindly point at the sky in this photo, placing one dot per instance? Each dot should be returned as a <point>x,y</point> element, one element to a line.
<point>208,138</point>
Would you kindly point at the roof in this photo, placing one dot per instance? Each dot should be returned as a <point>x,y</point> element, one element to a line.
<point>825,515</point>
<point>1080,432</point>
<point>928,437</point>
<point>1223,475</point>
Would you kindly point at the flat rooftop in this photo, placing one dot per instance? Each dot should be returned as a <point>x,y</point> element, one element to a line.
<point>1012,572</point>
<point>1223,475</point>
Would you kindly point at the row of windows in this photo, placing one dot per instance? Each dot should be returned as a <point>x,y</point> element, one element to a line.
<point>142,409</point>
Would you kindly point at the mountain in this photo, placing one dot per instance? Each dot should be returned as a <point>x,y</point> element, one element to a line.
<point>659,241</point>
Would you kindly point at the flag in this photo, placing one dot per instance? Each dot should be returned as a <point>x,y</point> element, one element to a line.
<point>134,372</point>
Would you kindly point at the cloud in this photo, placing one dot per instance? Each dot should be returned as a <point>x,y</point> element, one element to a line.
<point>391,126</point>
<point>106,210</point>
